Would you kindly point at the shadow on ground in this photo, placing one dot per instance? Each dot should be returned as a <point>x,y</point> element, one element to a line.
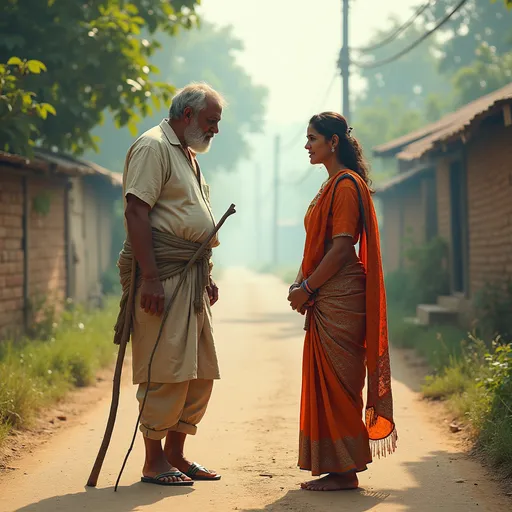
<point>431,485</point>
<point>96,500</point>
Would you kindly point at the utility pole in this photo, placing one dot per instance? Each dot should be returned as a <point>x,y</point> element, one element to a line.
<point>344,62</point>
<point>275,242</point>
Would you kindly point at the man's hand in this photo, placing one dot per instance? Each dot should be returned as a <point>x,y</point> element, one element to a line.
<point>298,299</point>
<point>152,297</point>
<point>213,292</point>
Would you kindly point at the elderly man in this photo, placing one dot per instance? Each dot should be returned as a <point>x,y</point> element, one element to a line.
<point>168,215</point>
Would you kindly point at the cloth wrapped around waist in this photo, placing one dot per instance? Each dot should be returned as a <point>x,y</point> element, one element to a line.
<point>172,255</point>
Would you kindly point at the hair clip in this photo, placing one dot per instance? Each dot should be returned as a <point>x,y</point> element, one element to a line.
<point>349,131</point>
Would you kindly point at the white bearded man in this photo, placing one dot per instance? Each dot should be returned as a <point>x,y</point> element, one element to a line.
<point>168,215</point>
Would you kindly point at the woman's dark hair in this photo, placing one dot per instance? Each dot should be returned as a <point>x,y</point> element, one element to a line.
<point>349,150</point>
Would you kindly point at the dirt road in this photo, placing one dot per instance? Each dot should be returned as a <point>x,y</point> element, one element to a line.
<point>250,435</point>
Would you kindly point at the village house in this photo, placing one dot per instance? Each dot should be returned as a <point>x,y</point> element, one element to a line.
<point>56,230</point>
<point>454,182</point>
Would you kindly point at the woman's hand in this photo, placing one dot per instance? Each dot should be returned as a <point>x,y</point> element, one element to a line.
<point>297,299</point>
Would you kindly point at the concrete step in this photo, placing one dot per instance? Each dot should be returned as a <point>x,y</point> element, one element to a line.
<point>450,302</point>
<point>434,314</point>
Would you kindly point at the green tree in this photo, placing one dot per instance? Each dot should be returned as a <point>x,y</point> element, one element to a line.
<point>487,73</point>
<point>401,96</point>
<point>381,121</point>
<point>475,23</point>
<point>411,77</point>
<point>209,54</point>
<point>97,54</point>
<point>18,107</point>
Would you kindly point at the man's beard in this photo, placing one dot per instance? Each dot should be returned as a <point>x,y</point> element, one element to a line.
<point>196,139</point>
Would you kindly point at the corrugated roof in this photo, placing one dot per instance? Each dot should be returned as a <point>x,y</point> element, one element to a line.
<point>414,145</point>
<point>47,161</point>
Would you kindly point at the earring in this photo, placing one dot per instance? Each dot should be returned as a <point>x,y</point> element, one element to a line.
<point>332,149</point>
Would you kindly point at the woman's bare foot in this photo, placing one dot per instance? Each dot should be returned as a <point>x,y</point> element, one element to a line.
<point>332,482</point>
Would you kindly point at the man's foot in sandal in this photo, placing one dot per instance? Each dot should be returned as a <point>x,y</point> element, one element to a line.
<point>168,478</point>
<point>198,472</point>
<point>332,482</point>
<point>193,470</point>
<point>163,473</point>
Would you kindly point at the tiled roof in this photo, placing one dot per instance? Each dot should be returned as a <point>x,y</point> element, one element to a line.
<point>59,163</point>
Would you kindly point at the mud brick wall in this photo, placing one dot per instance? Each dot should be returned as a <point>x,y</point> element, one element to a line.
<point>11,252</point>
<point>47,242</point>
<point>46,247</point>
<point>489,170</point>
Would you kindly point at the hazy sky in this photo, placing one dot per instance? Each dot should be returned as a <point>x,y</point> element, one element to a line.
<point>291,46</point>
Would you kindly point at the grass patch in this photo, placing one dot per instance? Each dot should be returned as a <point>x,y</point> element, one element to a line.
<point>35,373</point>
<point>478,387</point>
<point>472,376</point>
<point>439,345</point>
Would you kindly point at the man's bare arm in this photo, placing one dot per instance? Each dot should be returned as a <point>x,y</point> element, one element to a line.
<point>141,239</point>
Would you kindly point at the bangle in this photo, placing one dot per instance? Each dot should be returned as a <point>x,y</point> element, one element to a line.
<point>294,286</point>
<point>305,286</point>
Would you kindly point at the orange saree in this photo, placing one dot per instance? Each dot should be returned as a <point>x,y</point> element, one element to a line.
<point>346,338</point>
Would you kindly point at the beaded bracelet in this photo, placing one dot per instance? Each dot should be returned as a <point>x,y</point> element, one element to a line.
<point>305,286</point>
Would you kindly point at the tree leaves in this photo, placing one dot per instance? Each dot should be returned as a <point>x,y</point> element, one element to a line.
<point>14,61</point>
<point>36,66</point>
<point>92,49</point>
<point>18,107</point>
<point>206,54</point>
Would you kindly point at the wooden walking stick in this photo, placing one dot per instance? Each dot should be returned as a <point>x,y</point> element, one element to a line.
<point>93,477</point>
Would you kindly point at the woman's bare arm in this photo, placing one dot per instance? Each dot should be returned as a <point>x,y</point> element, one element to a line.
<point>332,262</point>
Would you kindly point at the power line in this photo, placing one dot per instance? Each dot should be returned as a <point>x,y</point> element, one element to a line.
<point>372,65</point>
<point>398,31</point>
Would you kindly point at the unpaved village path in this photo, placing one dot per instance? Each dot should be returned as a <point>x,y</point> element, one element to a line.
<point>250,435</point>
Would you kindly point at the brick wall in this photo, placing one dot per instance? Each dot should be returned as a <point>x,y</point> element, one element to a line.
<point>489,170</point>
<point>11,253</point>
<point>47,243</point>
<point>46,246</point>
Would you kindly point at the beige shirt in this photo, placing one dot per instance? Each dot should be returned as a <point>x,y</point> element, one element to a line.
<point>158,172</point>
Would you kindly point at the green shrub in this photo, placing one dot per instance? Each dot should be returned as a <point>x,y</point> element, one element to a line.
<point>493,307</point>
<point>422,279</point>
<point>35,372</point>
<point>478,386</point>
<point>438,345</point>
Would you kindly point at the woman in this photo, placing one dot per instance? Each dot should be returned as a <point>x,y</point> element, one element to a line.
<point>343,296</point>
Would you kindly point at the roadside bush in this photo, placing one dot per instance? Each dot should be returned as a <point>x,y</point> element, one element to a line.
<point>33,373</point>
<point>422,278</point>
<point>493,309</point>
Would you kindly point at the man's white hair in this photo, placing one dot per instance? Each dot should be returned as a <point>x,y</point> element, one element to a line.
<point>194,96</point>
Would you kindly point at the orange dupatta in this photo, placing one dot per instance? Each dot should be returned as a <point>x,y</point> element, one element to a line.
<point>379,406</point>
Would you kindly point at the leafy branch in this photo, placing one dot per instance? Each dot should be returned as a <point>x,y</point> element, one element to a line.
<point>18,107</point>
